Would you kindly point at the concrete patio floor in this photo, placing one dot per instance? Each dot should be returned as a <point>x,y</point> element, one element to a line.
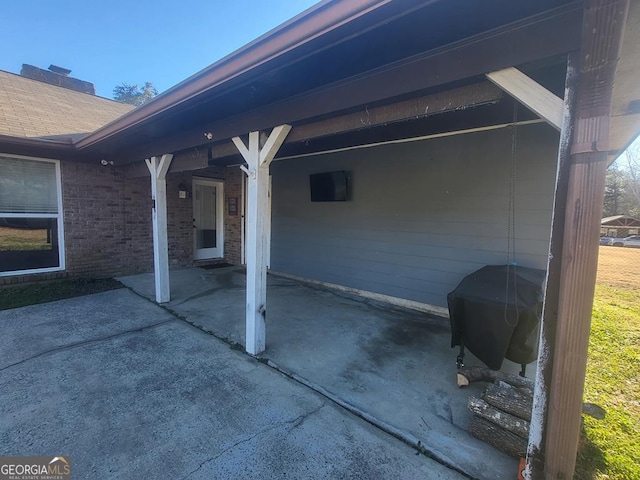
<point>392,366</point>
<point>128,391</point>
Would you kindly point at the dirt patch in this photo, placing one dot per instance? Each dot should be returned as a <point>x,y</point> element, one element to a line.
<point>13,296</point>
<point>619,266</point>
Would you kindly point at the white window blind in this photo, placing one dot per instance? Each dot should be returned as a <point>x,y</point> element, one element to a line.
<point>27,186</point>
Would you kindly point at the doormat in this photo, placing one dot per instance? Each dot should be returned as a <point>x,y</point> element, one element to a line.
<point>215,265</point>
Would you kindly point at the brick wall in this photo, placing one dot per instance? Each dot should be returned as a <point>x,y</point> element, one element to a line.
<point>179,221</point>
<point>136,229</point>
<point>232,223</point>
<point>108,219</point>
<point>34,277</point>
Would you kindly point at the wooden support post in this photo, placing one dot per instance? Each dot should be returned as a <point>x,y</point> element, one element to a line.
<point>536,446</point>
<point>268,226</point>
<point>258,230</point>
<point>603,23</point>
<point>158,168</point>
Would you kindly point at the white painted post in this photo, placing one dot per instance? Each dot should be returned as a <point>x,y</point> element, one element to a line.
<point>258,230</point>
<point>243,218</point>
<point>531,94</point>
<point>268,227</point>
<point>158,169</point>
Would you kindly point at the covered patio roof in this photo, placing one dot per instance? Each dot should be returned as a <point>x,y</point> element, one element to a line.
<point>620,221</point>
<point>334,59</point>
<point>337,56</point>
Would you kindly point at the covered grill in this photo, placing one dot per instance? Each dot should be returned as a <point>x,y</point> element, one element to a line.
<point>495,313</point>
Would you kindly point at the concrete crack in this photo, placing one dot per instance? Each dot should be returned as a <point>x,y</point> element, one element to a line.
<point>208,292</point>
<point>302,418</point>
<point>296,422</point>
<point>408,439</point>
<point>85,342</point>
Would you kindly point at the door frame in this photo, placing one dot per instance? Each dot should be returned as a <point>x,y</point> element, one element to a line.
<point>218,251</point>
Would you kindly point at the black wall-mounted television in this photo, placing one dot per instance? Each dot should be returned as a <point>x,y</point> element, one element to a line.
<point>329,186</point>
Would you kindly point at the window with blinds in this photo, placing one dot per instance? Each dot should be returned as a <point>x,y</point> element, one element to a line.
<point>30,217</point>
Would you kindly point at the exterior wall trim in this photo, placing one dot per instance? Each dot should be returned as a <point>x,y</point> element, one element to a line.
<point>380,297</point>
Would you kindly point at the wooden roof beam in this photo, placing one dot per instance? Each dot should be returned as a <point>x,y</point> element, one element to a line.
<point>484,93</point>
<point>442,102</point>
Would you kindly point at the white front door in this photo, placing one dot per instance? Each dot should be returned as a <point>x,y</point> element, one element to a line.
<point>208,215</point>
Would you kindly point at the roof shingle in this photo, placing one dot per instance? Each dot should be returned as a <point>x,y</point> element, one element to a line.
<point>29,108</point>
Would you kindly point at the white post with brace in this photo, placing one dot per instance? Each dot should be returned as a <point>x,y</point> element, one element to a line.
<point>258,230</point>
<point>158,168</point>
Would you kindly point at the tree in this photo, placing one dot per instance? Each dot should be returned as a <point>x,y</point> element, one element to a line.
<point>622,187</point>
<point>133,95</point>
<point>633,168</point>
<point>615,184</point>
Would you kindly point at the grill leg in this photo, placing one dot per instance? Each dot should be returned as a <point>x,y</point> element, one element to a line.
<point>523,370</point>
<point>460,358</point>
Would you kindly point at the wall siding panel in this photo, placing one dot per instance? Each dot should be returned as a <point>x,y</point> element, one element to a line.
<point>422,215</point>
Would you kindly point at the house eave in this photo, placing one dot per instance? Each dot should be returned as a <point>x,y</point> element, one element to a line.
<point>38,147</point>
<point>301,29</point>
<point>290,63</point>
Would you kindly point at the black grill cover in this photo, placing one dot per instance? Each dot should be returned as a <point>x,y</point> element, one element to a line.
<point>495,312</point>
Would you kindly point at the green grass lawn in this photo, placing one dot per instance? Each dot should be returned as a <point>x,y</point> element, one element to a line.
<point>610,448</point>
<point>15,239</point>
<point>41,292</point>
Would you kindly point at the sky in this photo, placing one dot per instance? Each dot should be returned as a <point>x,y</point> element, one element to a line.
<point>108,42</point>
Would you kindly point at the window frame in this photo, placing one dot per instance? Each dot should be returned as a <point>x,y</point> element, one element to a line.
<point>58,216</point>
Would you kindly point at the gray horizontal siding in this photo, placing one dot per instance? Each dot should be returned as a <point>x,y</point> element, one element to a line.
<point>422,215</point>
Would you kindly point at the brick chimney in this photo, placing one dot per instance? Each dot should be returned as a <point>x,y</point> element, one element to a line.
<point>57,76</point>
